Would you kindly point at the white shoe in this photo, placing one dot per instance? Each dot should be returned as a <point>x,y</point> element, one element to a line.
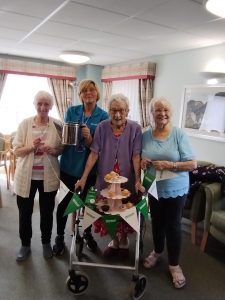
<point>178,277</point>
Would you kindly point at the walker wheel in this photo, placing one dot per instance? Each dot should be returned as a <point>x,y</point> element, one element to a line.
<point>138,286</point>
<point>78,283</point>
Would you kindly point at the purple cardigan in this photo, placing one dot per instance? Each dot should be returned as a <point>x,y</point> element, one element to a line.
<point>108,147</point>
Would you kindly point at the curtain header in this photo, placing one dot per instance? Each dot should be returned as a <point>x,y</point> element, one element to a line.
<point>142,70</point>
<point>24,67</point>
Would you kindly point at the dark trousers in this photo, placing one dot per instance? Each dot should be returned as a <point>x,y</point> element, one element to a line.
<point>70,181</point>
<point>166,215</point>
<point>25,206</point>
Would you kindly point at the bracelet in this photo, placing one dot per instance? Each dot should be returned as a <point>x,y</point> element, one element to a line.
<point>174,166</point>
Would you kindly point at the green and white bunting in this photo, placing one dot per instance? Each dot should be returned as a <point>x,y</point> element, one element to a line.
<point>90,198</point>
<point>149,182</point>
<point>74,204</point>
<point>90,216</point>
<point>111,223</point>
<point>130,216</point>
<point>142,206</point>
<point>63,191</point>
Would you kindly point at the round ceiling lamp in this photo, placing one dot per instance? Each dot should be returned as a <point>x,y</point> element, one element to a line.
<point>216,7</point>
<point>74,57</point>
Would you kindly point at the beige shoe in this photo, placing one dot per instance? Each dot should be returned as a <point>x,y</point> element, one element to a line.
<point>151,260</point>
<point>179,280</point>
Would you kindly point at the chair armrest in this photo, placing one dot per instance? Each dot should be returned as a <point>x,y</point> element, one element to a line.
<point>197,212</point>
<point>213,196</point>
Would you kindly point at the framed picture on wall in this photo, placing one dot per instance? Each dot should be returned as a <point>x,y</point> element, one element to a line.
<point>203,112</point>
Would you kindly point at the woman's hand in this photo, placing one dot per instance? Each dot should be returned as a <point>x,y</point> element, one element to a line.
<point>49,150</point>
<point>162,164</point>
<point>139,187</point>
<point>145,163</point>
<point>36,143</point>
<point>80,184</point>
<point>85,132</point>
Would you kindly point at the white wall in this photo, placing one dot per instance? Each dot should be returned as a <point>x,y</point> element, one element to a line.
<point>173,73</point>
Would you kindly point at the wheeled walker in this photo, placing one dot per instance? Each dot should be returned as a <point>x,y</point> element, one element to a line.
<point>78,281</point>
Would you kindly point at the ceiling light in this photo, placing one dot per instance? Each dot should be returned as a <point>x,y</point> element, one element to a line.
<point>74,57</point>
<point>216,7</point>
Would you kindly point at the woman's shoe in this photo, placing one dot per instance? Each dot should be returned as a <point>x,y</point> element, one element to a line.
<point>23,253</point>
<point>90,241</point>
<point>47,251</point>
<point>151,260</point>
<point>59,247</point>
<point>179,280</point>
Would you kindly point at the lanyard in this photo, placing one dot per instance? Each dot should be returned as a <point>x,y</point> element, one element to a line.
<point>88,118</point>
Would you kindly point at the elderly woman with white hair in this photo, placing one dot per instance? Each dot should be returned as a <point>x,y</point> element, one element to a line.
<point>37,145</point>
<point>116,147</point>
<point>166,147</point>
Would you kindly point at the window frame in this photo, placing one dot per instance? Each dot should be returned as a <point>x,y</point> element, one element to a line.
<point>201,93</point>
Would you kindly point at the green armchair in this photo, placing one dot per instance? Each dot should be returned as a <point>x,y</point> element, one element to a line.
<point>194,209</point>
<point>214,222</point>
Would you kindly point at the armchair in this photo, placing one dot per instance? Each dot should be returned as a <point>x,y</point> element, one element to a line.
<point>214,222</point>
<point>194,209</point>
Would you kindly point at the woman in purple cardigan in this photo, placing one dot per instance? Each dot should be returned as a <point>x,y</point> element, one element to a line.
<point>116,146</point>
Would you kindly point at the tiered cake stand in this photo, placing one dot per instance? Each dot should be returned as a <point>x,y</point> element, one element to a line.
<point>114,193</point>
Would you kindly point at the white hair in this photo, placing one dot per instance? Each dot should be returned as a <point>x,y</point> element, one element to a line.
<point>119,98</point>
<point>151,109</point>
<point>44,95</point>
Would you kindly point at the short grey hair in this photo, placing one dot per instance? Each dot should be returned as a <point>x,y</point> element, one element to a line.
<point>119,98</point>
<point>44,95</point>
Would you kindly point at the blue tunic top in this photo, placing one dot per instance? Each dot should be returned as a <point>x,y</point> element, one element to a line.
<point>175,148</point>
<point>73,161</point>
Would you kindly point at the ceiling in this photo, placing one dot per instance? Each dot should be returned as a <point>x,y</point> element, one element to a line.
<point>111,31</point>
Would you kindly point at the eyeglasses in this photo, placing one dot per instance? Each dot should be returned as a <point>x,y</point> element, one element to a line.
<point>114,111</point>
<point>91,90</point>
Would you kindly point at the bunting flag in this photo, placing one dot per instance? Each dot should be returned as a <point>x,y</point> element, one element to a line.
<point>142,206</point>
<point>148,179</point>
<point>153,190</point>
<point>63,191</point>
<point>111,223</point>
<point>130,216</point>
<point>90,197</point>
<point>149,182</point>
<point>74,204</point>
<point>90,216</point>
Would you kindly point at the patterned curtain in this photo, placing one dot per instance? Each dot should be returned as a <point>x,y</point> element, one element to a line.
<point>3,77</point>
<point>41,68</point>
<point>144,72</point>
<point>107,92</point>
<point>62,91</point>
<point>145,96</point>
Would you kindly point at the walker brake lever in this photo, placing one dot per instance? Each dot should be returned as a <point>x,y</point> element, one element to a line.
<point>78,191</point>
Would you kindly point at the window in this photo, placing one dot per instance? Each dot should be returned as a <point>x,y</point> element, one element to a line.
<point>17,98</point>
<point>130,89</point>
